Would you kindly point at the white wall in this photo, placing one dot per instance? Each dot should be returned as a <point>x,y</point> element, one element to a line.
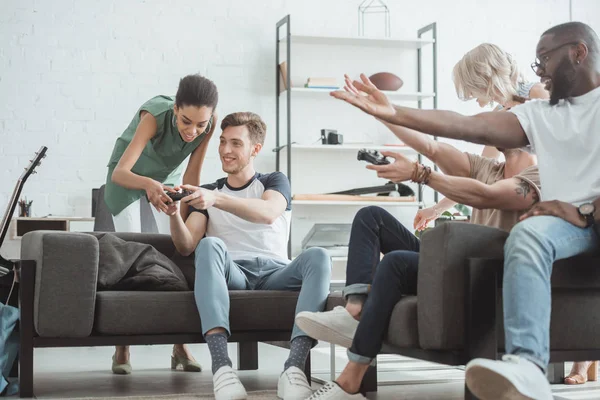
<point>72,73</point>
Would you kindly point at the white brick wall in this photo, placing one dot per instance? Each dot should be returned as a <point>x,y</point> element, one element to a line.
<point>72,73</point>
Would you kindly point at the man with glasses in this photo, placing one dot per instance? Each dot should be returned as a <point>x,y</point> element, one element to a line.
<point>564,133</point>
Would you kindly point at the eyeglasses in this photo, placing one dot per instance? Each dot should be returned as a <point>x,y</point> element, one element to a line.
<point>540,62</point>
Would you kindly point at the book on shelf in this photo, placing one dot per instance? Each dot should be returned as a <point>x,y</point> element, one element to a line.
<point>321,87</point>
<point>283,76</point>
<point>321,81</point>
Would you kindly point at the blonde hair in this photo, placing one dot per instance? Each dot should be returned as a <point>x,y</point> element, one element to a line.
<point>488,71</point>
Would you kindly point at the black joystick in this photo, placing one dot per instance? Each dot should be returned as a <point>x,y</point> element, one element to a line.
<point>176,196</point>
<point>372,156</point>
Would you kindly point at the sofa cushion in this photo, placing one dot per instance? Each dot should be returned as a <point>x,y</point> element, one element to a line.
<point>441,280</point>
<point>135,313</point>
<point>403,331</point>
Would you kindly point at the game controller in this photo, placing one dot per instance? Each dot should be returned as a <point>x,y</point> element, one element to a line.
<point>176,196</point>
<point>372,156</point>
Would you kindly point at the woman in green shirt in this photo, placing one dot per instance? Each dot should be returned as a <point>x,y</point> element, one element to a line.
<point>148,160</point>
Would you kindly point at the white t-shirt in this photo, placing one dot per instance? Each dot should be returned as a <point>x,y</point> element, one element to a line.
<point>566,140</point>
<point>246,240</point>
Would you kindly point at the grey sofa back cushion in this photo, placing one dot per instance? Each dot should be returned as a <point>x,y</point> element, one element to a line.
<point>65,282</point>
<point>445,251</point>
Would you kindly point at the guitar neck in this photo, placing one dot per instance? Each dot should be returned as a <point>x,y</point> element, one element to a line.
<point>10,209</point>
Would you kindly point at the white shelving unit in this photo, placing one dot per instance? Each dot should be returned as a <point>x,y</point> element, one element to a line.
<point>394,96</point>
<point>403,43</point>
<point>326,168</point>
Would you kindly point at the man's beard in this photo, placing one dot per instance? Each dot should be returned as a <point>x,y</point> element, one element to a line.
<point>563,81</point>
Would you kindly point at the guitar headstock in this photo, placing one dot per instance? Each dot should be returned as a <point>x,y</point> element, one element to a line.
<point>36,161</point>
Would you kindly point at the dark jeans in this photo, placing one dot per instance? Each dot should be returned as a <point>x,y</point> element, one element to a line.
<point>376,231</point>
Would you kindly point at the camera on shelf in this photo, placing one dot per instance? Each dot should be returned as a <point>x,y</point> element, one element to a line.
<point>330,136</point>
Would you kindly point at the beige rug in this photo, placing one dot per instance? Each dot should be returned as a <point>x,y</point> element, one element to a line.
<point>260,395</point>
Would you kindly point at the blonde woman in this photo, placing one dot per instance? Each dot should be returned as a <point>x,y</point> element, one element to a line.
<point>491,76</point>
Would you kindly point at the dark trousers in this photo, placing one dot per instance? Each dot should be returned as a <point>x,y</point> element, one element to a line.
<point>376,231</point>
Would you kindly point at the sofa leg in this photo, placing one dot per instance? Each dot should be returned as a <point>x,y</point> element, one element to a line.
<point>556,373</point>
<point>247,356</point>
<point>369,382</point>
<point>307,369</point>
<point>26,330</point>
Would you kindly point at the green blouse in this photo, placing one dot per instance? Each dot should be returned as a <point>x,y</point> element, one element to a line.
<point>160,160</point>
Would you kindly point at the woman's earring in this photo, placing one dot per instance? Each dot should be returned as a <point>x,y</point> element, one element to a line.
<point>578,62</point>
<point>174,121</point>
<point>208,126</point>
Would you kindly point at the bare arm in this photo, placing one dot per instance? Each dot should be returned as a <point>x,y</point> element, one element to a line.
<point>444,205</point>
<point>186,236</point>
<point>261,211</point>
<point>448,158</point>
<point>194,167</point>
<point>490,128</point>
<point>507,194</point>
<point>122,174</point>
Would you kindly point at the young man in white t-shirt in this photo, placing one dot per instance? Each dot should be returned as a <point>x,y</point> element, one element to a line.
<point>564,134</point>
<point>239,229</point>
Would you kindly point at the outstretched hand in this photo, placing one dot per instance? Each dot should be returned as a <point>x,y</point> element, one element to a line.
<point>371,100</point>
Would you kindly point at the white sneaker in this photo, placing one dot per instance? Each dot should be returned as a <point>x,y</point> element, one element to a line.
<point>513,378</point>
<point>227,385</point>
<point>293,385</point>
<point>336,326</point>
<point>332,391</point>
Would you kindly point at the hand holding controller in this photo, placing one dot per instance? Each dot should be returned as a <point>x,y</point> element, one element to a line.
<point>176,196</point>
<point>372,156</point>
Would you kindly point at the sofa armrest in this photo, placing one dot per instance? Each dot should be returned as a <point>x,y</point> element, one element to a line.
<point>160,242</point>
<point>65,281</point>
<point>444,255</point>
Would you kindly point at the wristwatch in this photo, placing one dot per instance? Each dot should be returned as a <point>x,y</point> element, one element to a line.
<point>587,210</point>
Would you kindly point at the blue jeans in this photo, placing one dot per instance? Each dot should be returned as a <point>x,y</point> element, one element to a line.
<point>532,247</point>
<point>217,273</point>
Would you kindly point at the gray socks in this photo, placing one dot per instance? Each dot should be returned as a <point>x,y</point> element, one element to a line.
<point>299,349</point>
<point>217,345</point>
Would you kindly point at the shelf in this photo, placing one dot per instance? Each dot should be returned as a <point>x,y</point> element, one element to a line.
<point>353,147</point>
<point>356,203</point>
<point>359,41</point>
<point>394,95</point>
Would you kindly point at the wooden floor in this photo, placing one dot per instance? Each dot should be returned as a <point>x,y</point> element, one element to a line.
<point>85,372</point>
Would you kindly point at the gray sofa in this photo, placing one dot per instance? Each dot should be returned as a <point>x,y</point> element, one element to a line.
<point>455,317</point>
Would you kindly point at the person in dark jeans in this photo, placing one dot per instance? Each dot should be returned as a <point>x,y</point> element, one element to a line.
<point>499,192</point>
